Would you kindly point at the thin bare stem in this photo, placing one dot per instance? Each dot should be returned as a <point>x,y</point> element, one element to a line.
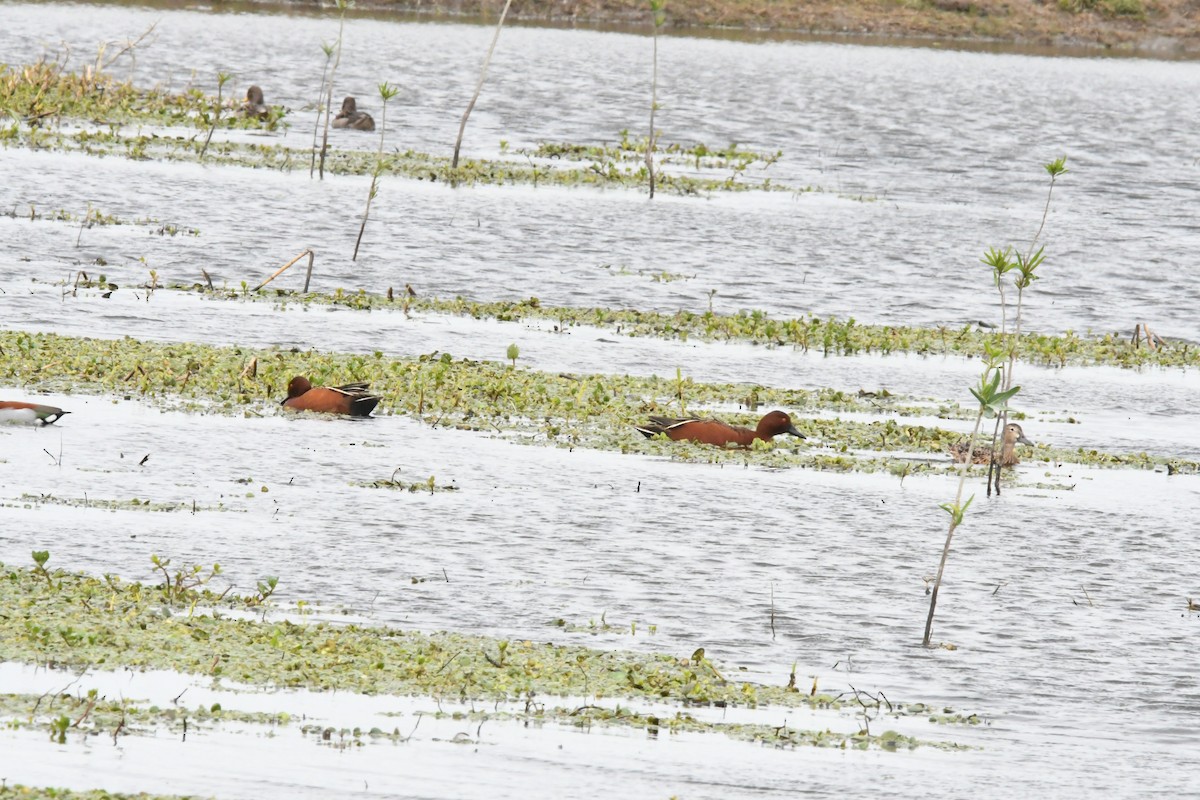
<point>462,126</point>
<point>962,482</point>
<point>221,79</point>
<point>342,6</point>
<point>312,164</point>
<point>281,270</point>
<point>656,8</point>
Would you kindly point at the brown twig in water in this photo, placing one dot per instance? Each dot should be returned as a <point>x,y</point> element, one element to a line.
<point>280,271</point>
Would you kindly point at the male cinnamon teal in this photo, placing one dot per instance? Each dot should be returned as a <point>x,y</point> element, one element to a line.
<point>1012,436</point>
<point>255,105</point>
<point>715,432</point>
<point>352,399</point>
<point>17,412</point>
<point>351,117</point>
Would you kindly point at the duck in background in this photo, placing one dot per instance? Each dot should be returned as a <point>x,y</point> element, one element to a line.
<point>351,117</point>
<point>255,105</point>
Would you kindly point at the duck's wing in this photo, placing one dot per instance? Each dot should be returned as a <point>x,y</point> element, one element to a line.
<point>353,389</point>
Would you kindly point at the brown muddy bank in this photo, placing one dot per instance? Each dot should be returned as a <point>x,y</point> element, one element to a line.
<point>1150,27</point>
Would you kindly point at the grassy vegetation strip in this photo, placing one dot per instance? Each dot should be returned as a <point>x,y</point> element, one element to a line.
<point>44,91</point>
<point>21,792</point>
<point>829,337</point>
<point>65,715</point>
<point>596,411</point>
<point>97,107</point>
<point>74,620</point>
<point>410,163</point>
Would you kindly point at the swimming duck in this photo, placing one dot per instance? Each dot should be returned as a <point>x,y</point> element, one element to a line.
<point>29,413</point>
<point>255,105</point>
<point>1013,435</point>
<point>351,117</point>
<point>352,399</point>
<point>715,432</point>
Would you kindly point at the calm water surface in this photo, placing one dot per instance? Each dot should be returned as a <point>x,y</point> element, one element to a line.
<point>1067,605</point>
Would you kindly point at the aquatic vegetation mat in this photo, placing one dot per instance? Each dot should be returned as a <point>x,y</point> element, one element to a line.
<point>20,792</point>
<point>500,399</point>
<point>829,337</point>
<point>71,620</point>
<point>93,113</point>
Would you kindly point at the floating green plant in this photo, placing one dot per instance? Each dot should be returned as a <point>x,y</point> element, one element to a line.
<point>84,621</point>
<point>43,91</point>
<point>106,118</point>
<point>829,337</point>
<point>596,411</point>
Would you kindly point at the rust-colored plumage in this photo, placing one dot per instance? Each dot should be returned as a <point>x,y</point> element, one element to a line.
<point>1013,435</point>
<point>715,432</point>
<point>352,399</point>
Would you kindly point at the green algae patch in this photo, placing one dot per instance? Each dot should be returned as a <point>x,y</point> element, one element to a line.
<point>132,504</point>
<point>427,486</point>
<point>74,620</point>
<point>827,337</point>
<point>43,91</point>
<point>89,713</point>
<point>94,114</point>
<point>70,620</point>
<point>21,792</point>
<point>525,406</point>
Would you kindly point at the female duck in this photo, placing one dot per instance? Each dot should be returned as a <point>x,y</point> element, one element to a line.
<point>1013,435</point>
<point>715,432</point>
<point>255,105</point>
<point>351,117</point>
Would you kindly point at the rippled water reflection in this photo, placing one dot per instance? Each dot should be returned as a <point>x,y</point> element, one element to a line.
<point>1067,605</point>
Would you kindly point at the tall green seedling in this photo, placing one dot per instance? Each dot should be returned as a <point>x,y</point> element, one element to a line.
<point>1024,267</point>
<point>993,401</point>
<point>658,10</point>
<point>386,92</point>
<point>222,79</point>
<point>462,126</point>
<point>342,7</point>
<point>328,50</point>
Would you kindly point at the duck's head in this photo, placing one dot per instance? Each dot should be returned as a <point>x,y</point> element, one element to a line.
<point>349,106</point>
<point>254,96</point>
<point>776,423</point>
<point>1014,435</point>
<point>297,386</point>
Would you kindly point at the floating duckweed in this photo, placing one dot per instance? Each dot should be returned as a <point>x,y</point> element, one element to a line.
<point>101,105</point>
<point>527,406</point>
<point>83,621</point>
<point>829,337</point>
